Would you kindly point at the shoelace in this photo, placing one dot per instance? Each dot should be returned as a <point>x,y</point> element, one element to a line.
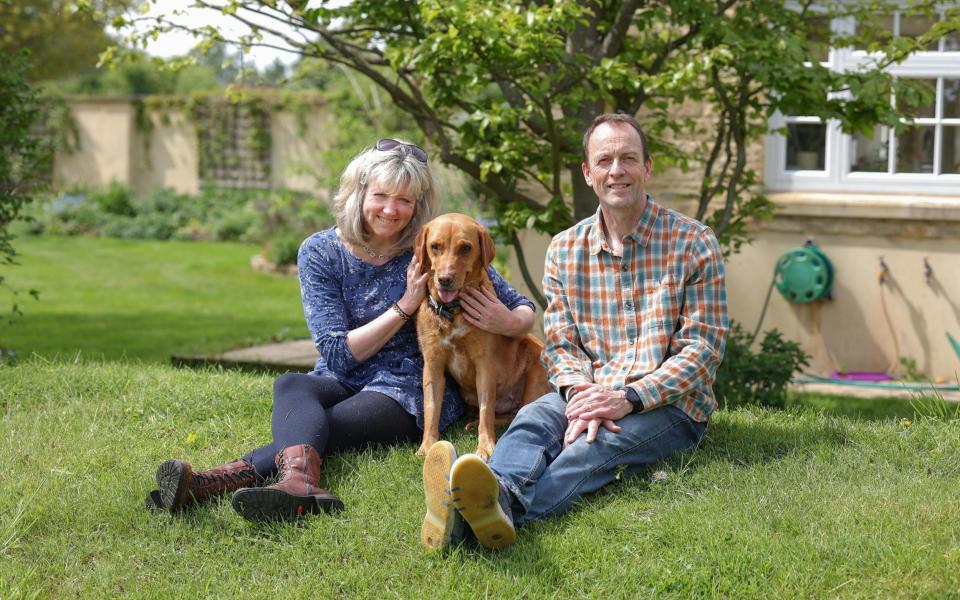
<point>210,480</point>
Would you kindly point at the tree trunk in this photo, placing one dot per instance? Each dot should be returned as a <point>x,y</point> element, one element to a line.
<point>584,200</point>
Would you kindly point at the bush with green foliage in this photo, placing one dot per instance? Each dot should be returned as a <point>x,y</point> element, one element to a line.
<point>282,250</point>
<point>252,216</point>
<point>24,156</point>
<point>759,378</point>
<point>115,200</point>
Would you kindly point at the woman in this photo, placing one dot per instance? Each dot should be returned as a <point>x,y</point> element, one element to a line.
<point>360,285</point>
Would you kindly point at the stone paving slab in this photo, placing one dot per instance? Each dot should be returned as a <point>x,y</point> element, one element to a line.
<point>301,355</point>
<point>296,355</point>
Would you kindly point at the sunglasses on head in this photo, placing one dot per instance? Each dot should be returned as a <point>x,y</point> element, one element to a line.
<point>387,144</point>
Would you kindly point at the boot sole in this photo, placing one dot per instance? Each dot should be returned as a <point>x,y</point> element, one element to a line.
<point>265,504</point>
<point>153,502</point>
<point>476,494</point>
<point>442,525</point>
<point>171,477</point>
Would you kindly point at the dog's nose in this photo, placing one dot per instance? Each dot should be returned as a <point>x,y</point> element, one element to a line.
<point>445,280</point>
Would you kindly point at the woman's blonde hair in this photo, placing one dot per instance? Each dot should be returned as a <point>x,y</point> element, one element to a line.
<point>396,169</point>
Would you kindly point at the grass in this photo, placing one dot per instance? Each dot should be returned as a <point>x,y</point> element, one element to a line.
<point>835,497</point>
<point>871,409</point>
<point>773,505</point>
<point>120,299</point>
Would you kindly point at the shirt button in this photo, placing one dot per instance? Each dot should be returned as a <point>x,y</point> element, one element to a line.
<point>623,268</point>
<point>629,305</point>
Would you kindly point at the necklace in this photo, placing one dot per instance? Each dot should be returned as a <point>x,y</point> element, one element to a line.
<point>374,254</point>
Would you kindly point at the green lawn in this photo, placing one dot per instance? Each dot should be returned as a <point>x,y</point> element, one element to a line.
<point>116,299</point>
<point>835,497</point>
<point>773,505</point>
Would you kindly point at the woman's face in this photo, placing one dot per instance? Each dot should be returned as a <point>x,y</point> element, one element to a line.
<point>385,213</point>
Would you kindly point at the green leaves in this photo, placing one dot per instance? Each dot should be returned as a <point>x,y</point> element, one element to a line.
<point>25,157</point>
<point>504,89</point>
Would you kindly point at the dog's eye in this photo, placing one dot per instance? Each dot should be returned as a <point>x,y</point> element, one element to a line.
<point>435,247</point>
<point>465,249</point>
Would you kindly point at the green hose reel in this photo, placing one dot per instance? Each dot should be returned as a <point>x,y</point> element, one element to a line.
<point>804,274</point>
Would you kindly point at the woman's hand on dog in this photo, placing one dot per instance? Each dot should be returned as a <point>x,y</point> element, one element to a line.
<point>482,309</point>
<point>416,288</point>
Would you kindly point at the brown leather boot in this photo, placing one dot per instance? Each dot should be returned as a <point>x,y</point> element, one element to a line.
<point>296,492</point>
<point>180,487</point>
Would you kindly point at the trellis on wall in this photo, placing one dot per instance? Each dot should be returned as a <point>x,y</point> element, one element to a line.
<point>233,139</point>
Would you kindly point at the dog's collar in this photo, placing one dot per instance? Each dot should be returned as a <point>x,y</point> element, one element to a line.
<point>447,311</point>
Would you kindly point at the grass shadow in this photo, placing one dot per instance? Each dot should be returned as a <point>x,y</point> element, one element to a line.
<point>739,439</point>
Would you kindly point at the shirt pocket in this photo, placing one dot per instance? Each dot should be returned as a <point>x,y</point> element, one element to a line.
<point>661,305</point>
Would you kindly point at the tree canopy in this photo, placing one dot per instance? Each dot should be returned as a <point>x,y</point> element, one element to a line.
<point>63,37</point>
<point>24,155</point>
<point>504,89</point>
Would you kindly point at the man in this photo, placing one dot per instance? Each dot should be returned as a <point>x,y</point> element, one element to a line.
<point>635,325</point>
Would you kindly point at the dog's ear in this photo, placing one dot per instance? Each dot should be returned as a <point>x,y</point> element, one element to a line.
<point>487,251</point>
<point>420,249</point>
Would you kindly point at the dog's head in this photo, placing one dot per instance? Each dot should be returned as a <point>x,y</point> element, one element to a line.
<point>456,251</point>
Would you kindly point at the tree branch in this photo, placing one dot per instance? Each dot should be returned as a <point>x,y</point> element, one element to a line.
<point>534,287</point>
<point>613,41</point>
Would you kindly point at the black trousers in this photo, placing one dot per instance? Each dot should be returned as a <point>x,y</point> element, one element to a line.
<point>309,409</point>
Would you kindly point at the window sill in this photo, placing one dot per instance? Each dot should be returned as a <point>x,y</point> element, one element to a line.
<point>867,206</point>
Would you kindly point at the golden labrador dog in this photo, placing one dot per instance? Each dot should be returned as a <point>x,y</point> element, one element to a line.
<point>496,373</point>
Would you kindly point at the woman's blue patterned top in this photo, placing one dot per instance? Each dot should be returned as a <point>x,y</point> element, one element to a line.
<point>341,292</point>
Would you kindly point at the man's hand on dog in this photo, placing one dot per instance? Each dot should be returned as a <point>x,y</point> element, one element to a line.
<point>482,308</point>
<point>416,288</point>
<point>592,406</point>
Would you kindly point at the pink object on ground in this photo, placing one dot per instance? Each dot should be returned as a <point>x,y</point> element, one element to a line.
<point>861,376</point>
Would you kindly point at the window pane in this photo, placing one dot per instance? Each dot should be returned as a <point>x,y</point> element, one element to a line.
<point>951,150</point>
<point>914,26</point>
<point>951,43</point>
<point>806,146</point>
<point>915,149</point>
<point>818,38</point>
<point>916,107</point>
<point>951,98</point>
<point>879,28</point>
<point>870,154</point>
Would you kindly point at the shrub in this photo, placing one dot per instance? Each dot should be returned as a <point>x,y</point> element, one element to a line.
<point>255,216</point>
<point>148,226</point>
<point>117,199</point>
<point>284,212</point>
<point>282,250</point>
<point>71,215</point>
<point>235,226</point>
<point>748,378</point>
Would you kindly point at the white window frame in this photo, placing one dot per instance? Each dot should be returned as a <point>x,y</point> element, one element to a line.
<point>837,176</point>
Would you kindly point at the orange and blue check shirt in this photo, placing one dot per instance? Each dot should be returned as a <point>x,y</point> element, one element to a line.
<point>654,319</point>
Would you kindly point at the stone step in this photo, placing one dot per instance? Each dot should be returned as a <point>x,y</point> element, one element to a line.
<point>296,355</point>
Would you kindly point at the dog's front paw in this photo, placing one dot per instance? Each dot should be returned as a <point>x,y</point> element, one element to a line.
<point>485,450</point>
<point>424,447</point>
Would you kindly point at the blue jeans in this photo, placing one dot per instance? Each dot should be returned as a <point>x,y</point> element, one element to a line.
<point>547,479</point>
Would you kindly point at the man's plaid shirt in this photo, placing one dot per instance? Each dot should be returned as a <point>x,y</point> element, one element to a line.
<point>654,319</point>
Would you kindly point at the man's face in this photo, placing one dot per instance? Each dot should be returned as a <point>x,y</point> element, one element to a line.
<point>616,170</point>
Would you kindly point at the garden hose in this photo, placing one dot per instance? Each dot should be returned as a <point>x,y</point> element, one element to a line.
<point>815,319</point>
<point>812,378</point>
<point>763,311</point>
<point>954,343</point>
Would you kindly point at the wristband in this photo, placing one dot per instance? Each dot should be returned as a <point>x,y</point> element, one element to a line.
<point>399,311</point>
<point>634,399</point>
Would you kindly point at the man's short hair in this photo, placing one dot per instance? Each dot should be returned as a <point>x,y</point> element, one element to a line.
<point>615,118</point>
